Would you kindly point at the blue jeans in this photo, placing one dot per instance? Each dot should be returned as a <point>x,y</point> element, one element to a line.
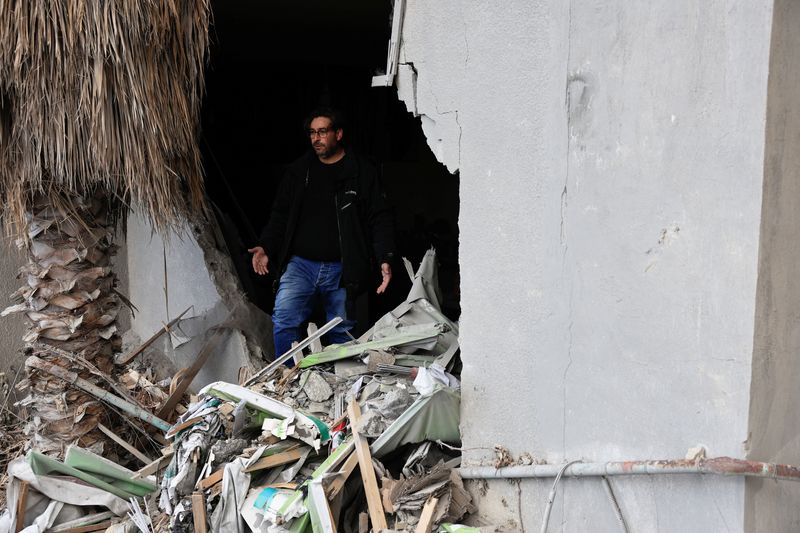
<point>302,281</point>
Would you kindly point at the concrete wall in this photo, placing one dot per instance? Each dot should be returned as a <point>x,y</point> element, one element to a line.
<point>775,410</point>
<point>611,160</point>
<point>165,278</point>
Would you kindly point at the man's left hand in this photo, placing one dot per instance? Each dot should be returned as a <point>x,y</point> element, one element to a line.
<point>386,274</point>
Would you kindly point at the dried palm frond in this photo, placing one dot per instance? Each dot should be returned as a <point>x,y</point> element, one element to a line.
<point>102,95</point>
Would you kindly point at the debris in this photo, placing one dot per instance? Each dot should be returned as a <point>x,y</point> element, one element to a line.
<point>22,505</point>
<point>316,388</point>
<point>191,372</point>
<point>122,442</point>
<point>367,473</point>
<point>434,417</point>
<point>72,377</point>
<point>425,519</point>
<point>275,455</point>
<point>127,358</point>
<point>96,519</point>
<point>199,512</point>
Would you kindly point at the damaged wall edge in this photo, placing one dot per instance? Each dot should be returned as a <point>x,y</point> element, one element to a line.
<point>199,272</point>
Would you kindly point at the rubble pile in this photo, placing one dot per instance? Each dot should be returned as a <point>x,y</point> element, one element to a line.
<point>355,437</point>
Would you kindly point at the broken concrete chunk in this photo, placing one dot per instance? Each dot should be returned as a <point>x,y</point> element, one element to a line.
<point>226,450</point>
<point>347,368</point>
<point>395,403</point>
<point>316,387</point>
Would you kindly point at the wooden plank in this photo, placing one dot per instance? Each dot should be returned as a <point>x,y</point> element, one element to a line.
<point>424,524</point>
<point>127,358</point>
<point>130,449</point>
<point>174,430</point>
<point>338,483</point>
<point>371,489</point>
<point>199,512</point>
<point>191,372</point>
<point>211,480</point>
<point>157,465</point>
<point>102,526</point>
<point>22,504</point>
<point>278,459</point>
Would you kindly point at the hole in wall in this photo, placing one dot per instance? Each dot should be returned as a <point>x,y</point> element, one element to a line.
<point>272,63</point>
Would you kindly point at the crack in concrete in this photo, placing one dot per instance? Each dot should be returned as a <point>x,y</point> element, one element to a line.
<point>466,43</point>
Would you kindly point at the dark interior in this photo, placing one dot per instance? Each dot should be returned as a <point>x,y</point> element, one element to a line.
<point>271,64</point>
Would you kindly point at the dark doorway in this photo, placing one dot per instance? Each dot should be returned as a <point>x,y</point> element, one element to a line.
<point>272,63</point>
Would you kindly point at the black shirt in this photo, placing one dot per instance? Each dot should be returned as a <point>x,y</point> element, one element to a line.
<point>317,234</point>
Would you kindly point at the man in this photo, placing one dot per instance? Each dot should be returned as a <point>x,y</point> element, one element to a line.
<point>328,215</point>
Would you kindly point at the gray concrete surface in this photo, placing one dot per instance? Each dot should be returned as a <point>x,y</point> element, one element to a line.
<point>167,277</point>
<point>12,327</point>
<point>611,161</point>
<point>775,390</point>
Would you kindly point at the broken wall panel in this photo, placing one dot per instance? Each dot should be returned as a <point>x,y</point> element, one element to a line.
<point>189,270</point>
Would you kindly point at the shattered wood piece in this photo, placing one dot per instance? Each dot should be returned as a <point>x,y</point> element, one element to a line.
<point>122,442</point>
<point>100,394</point>
<point>22,504</point>
<point>199,512</point>
<point>425,519</point>
<point>102,526</point>
<point>226,409</point>
<point>154,467</point>
<point>125,359</point>
<point>82,521</point>
<point>344,474</point>
<point>363,523</point>
<point>275,460</point>
<point>174,430</point>
<point>191,372</point>
<point>211,480</point>
<point>367,472</point>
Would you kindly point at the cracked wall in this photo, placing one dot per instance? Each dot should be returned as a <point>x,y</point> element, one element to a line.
<point>191,269</point>
<point>611,162</point>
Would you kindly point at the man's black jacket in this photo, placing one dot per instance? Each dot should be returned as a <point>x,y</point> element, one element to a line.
<point>365,220</point>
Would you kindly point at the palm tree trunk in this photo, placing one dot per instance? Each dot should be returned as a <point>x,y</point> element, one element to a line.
<point>71,309</point>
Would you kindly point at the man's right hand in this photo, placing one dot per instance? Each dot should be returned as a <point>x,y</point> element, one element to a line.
<point>260,260</point>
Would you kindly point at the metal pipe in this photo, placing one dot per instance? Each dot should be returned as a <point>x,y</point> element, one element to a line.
<point>293,350</point>
<point>723,466</point>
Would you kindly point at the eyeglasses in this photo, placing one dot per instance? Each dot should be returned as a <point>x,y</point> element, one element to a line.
<point>322,132</point>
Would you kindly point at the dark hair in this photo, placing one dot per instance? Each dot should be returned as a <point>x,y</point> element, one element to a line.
<point>336,118</point>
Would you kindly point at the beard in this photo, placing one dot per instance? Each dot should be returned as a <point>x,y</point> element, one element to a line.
<point>324,150</point>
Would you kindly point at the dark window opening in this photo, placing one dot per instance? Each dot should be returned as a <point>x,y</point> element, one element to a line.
<point>272,63</point>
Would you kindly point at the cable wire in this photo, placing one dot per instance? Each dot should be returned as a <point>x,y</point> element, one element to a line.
<point>552,496</point>
<point>613,499</point>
